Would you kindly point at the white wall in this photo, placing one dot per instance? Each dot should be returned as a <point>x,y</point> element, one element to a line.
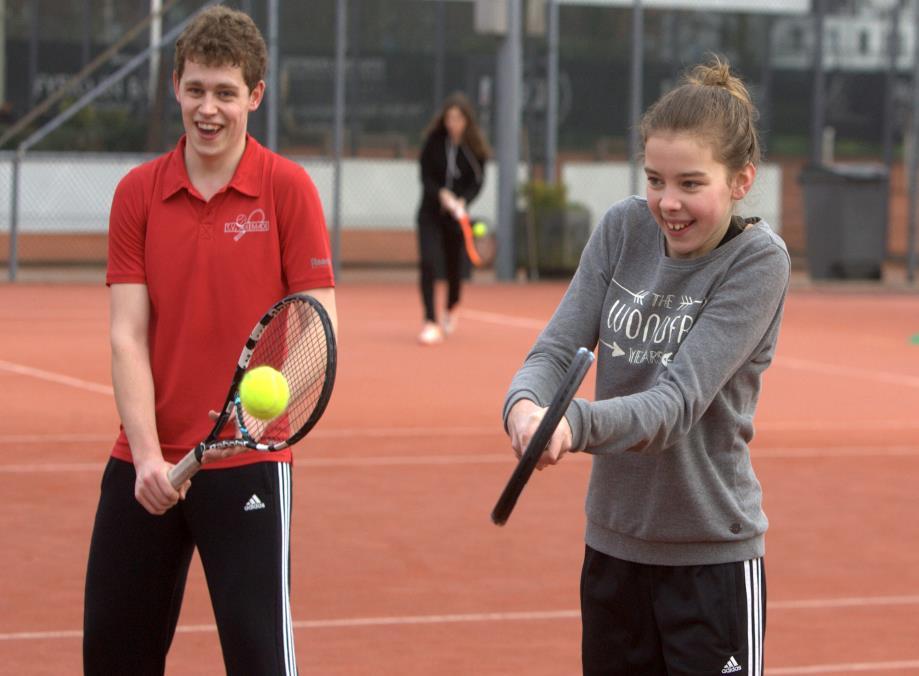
<point>63,192</point>
<point>384,194</point>
<point>598,185</point>
<point>73,192</point>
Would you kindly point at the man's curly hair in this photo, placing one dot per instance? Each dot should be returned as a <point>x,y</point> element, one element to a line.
<point>220,36</point>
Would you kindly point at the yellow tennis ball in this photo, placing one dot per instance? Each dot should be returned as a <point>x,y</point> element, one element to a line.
<point>264,393</point>
<point>479,229</point>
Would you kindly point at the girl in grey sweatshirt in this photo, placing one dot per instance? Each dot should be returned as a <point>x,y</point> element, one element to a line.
<point>682,300</point>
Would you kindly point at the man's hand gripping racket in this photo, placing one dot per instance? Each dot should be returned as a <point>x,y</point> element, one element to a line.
<point>295,337</point>
<point>583,358</point>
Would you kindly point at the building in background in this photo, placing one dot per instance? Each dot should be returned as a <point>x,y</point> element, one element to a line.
<point>400,52</point>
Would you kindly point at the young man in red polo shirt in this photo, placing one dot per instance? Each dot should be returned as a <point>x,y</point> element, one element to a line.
<point>202,240</point>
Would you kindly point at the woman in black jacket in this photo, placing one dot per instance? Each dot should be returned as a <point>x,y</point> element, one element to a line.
<point>452,170</point>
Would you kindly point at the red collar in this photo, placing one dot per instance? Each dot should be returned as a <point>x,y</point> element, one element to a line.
<point>247,179</point>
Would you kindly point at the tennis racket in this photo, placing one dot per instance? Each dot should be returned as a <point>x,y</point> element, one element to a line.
<point>295,337</point>
<point>583,358</point>
<point>480,248</point>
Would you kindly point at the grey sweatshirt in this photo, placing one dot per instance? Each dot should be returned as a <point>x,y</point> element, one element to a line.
<point>682,345</point>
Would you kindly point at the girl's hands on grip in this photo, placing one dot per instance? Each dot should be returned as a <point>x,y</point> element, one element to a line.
<point>522,422</point>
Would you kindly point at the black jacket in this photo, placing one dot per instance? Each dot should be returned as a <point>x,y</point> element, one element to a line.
<point>466,182</point>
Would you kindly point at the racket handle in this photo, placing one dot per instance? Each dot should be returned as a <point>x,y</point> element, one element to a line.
<point>184,470</point>
<point>512,490</point>
<point>581,362</point>
<point>468,238</point>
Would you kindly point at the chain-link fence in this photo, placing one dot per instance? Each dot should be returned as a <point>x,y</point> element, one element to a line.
<point>402,58</point>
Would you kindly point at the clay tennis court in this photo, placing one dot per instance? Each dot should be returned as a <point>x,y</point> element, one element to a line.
<point>397,569</point>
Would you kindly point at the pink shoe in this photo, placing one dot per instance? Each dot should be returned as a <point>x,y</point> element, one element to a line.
<point>431,334</point>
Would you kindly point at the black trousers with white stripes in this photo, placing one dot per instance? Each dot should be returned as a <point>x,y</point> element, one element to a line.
<point>642,620</point>
<point>239,520</point>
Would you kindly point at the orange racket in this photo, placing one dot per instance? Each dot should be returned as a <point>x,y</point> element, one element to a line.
<point>479,242</point>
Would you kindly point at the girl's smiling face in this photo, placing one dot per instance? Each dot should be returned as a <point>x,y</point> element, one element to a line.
<point>690,193</point>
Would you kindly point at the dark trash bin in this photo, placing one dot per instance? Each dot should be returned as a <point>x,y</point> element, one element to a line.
<point>560,234</point>
<point>845,213</point>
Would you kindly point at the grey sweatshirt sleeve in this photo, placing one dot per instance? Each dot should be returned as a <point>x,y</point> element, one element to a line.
<point>732,339</point>
<point>573,325</point>
<point>732,334</point>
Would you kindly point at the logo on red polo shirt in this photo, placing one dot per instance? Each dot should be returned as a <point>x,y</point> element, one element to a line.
<point>254,222</point>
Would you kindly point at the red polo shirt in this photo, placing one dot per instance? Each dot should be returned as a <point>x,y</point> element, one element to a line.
<point>212,269</point>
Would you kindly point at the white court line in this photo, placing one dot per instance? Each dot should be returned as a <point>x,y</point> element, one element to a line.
<point>833,452</point>
<point>56,438</point>
<point>300,462</point>
<point>399,432</point>
<point>766,426</point>
<point>352,622</point>
<point>52,468</point>
<point>847,371</point>
<point>437,619</point>
<point>849,667</point>
<point>61,379</point>
<point>488,458</point>
<point>789,362</point>
<point>58,378</point>
<point>327,433</point>
<point>307,462</point>
<point>522,322</point>
<point>841,426</point>
<point>850,602</point>
<point>400,460</point>
<point>503,320</point>
<point>485,431</point>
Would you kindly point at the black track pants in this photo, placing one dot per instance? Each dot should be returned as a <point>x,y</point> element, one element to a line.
<point>672,620</point>
<point>239,519</point>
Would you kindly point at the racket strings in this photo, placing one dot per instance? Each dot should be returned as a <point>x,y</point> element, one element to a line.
<point>294,342</point>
